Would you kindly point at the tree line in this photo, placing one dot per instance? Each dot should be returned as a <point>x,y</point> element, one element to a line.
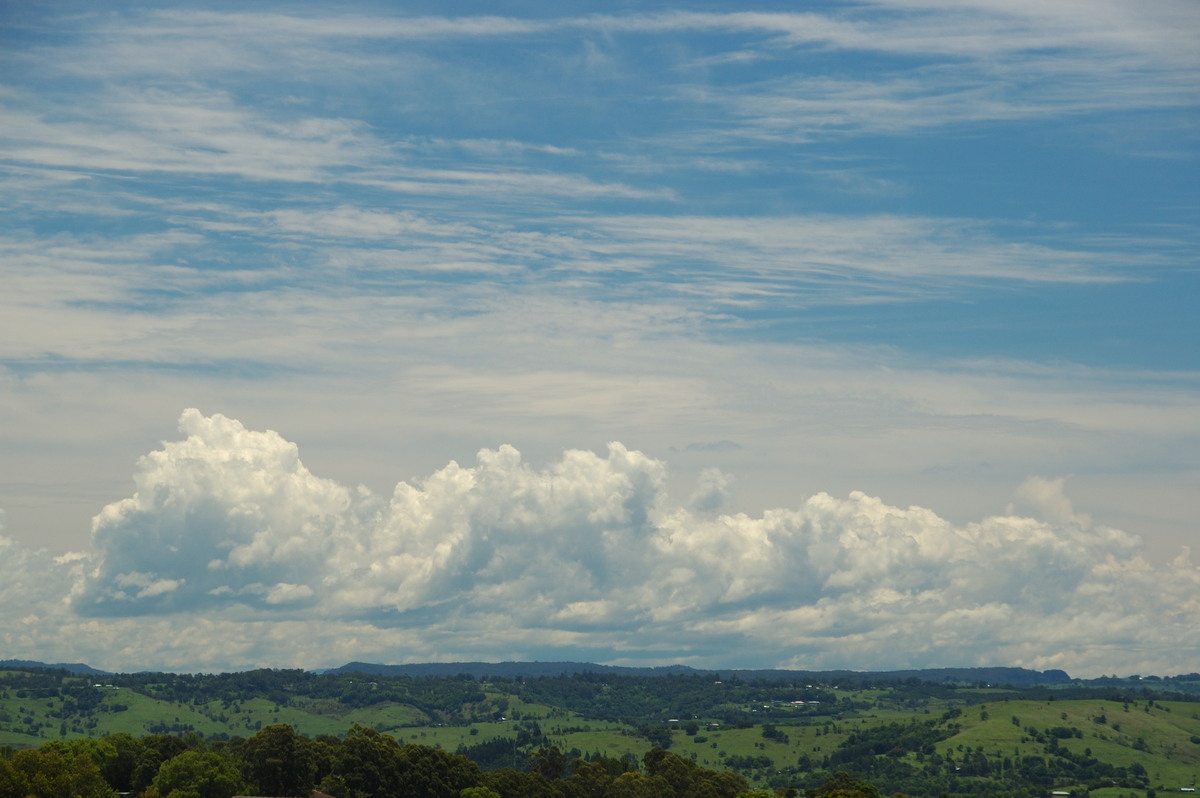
<point>277,761</point>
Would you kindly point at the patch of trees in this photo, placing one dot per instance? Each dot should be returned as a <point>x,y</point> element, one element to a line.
<point>364,764</point>
<point>442,699</point>
<point>893,740</point>
<point>770,732</point>
<point>640,700</point>
<point>33,679</point>
<point>277,761</point>
<point>501,752</point>
<point>52,771</point>
<point>747,762</point>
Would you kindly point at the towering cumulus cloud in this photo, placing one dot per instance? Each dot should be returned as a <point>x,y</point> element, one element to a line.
<point>229,516</point>
<point>225,515</point>
<point>230,536</point>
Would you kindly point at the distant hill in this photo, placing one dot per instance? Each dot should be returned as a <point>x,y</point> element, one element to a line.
<point>73,667</point>
<point>1016,677</point>
<point>503,669</point>
<point>1131,735</point>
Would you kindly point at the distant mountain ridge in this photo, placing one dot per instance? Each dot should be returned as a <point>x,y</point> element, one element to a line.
<point>1017,677</point>
<point>505,669</point>
<point>73,667</point>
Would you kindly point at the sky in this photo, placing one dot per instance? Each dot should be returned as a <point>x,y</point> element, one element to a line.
<point>807,335</point>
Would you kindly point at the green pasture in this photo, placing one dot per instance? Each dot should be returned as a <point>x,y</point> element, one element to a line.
<point>1158,735</point>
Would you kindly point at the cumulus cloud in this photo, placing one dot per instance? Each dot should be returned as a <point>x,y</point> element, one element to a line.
<point>229,536</point>
<point>714,491</point>
<point>214,514</point>
<point>1044,498</point>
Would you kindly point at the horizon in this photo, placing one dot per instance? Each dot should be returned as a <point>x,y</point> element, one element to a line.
<point>822,338</point>
<point>321,670</point>
<point>542,664</point>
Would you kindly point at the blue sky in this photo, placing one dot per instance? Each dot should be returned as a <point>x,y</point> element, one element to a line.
<point>874,290</point>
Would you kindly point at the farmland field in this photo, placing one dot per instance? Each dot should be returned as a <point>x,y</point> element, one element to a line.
<point>952,738</point>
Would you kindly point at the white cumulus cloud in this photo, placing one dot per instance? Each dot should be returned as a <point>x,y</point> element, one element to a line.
<point>229,538</point>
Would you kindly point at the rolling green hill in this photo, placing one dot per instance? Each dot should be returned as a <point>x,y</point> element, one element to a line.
<point>913,736</point>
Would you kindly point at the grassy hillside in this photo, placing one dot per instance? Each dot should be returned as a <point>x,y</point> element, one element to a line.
<point>919,738</point>
<point>1162,736</point>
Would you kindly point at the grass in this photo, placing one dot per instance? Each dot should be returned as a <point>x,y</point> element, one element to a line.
<point>1158,735</point>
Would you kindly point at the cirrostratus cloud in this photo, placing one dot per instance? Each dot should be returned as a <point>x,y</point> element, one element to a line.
<point>589,554</point>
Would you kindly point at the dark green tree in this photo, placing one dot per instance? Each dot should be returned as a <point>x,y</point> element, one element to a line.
<point>843,785</point>
<point>155,750</point>
<point>196,774</point>
<point>633,784</point>
<point>514,784</point>
<point>677,772</point>
<point>588,779</point>
<point>119,770</point>
<point>550,762</point>
<point>49,773</point>
<point>278,761</point>
<point>366,764</point>
<point>433,773</point>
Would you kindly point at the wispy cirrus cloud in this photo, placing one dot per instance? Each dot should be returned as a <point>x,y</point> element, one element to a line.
<point>978,28</point>
<point>914,248</point>
<point>963,64</point>
<point>175,296</point>
<point>161,132</point>
<point>186,135</point>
